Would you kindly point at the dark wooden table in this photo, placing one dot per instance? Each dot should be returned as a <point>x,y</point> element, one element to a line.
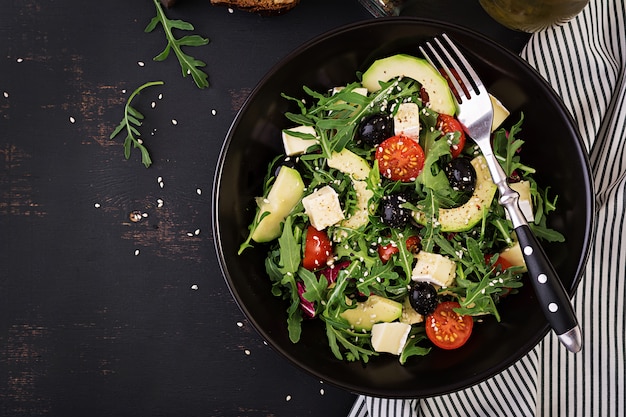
<point>101,315</point>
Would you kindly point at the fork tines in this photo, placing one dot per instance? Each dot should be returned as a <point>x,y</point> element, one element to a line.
<point>459,71</point>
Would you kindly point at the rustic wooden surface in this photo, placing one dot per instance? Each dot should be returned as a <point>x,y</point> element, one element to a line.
<point>100,315</point>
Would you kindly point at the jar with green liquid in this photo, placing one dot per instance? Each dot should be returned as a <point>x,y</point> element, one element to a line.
<point>532,15</point>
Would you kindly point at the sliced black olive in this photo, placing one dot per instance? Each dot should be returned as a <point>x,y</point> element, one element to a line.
<point>392,214</point>
<point>374,129</point>
<point>461,175</point>
<point>423,298</point>
<point>288,161</point>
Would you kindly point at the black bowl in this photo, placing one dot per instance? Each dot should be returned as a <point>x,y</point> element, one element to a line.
<point>553,146</point>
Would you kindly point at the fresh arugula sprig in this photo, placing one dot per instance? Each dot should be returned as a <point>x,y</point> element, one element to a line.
<point>130,122</point>
<point>188,64</point>
<point>348,108</point>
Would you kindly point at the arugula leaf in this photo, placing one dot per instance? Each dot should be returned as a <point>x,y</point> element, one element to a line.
<point>131,120</point>
<point>412,347</point>
<point>289,249</point>
<point>188,64</point>
<point>315,287</point>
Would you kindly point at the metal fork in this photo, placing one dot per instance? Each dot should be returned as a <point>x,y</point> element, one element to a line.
<point>476,115</point>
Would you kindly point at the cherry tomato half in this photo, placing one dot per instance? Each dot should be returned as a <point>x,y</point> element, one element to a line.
<point>385,252</point>
<point>400,158</point>
<point>503,263</point>
<point>447,329</point>
<point>317,249</point>
<point>449,125</point>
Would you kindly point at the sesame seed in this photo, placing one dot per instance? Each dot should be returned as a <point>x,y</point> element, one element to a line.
<point>19,60</point>
<point>160,96</point>
<point>321,391</point>
<point>159,202</point>
<point>97,205</point>
<point>140,63</point>
<point>72,120</point>
<point>189,234</point>
<point>213,112</point>
<point>136,252</point>
<point>5,94</point>
<point>196,232</point>
<point>174,122</point>
<point>153,104</point>
<point>247,352</point>
<point>239,324</point>
<point>194,287</point>
<point>124,91</point>
<point>288,398</point>
<point>198,191</point>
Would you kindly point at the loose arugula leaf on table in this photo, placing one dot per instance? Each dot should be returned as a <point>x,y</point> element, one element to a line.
<point>131,121</point>
<point>188,64</point>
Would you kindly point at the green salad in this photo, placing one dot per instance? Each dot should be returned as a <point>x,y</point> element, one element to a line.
<point>380,218</point>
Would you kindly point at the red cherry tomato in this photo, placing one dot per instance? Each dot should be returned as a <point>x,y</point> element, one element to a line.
<point>447,329</point>
<point>503,263</point>
<point>317,249</point>
<point>449,125</point>
<point>400,158</point>
<point>385,252</point>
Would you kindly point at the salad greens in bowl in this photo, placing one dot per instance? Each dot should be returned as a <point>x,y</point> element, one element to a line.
<point>359,230</point>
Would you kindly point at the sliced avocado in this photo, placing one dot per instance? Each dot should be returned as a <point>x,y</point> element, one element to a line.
<point>466,216</point>
<point>285,194</point>
<point>401,65</point>
<point>350,163</point>
<point>375,309</point>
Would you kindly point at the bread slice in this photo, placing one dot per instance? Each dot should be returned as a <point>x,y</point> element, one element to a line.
<point>264,7</point>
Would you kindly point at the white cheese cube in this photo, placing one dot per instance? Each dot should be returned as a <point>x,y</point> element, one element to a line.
<point>434,268</point>
<point>296,146</point>
<point>525,200</point>
<point>406,122</point>
<point>390,337</point>
<point>323,208</point>
<point>500,113</point>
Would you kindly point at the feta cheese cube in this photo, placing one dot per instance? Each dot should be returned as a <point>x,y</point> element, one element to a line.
<point>434,268</point>
<point>390,337</point>
<point>407,121</point>
<point>323,208</point>
<point>525,200</point>
<point>296,146</point>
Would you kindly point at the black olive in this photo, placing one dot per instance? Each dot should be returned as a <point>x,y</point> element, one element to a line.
<point>461,175</point>
<point>423,298</point>
<point>392,214</point>
<point>374,129</point>
<point>288,161</point>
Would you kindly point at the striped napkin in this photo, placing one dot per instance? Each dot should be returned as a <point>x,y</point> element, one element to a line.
<point>585,62</point>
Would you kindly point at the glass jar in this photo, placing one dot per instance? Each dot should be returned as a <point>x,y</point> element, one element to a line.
<point>532,15</point>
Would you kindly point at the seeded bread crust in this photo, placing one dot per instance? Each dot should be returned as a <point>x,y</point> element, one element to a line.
<point>266,7</point>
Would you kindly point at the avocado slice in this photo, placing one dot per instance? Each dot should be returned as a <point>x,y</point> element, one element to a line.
<point>402,65</point>
<point>375,309</point>
<point>352,164</point>
<point>285,194</point>
<point>466,216</point>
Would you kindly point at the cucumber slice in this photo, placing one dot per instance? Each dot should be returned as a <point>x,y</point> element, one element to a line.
<point>401,65</point>
<point>285,194</point>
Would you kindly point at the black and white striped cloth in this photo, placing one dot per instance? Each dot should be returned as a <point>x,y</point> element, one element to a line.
<point>585,62</point>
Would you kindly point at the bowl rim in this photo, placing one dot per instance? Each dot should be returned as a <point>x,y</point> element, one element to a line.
<point>590,219</point>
